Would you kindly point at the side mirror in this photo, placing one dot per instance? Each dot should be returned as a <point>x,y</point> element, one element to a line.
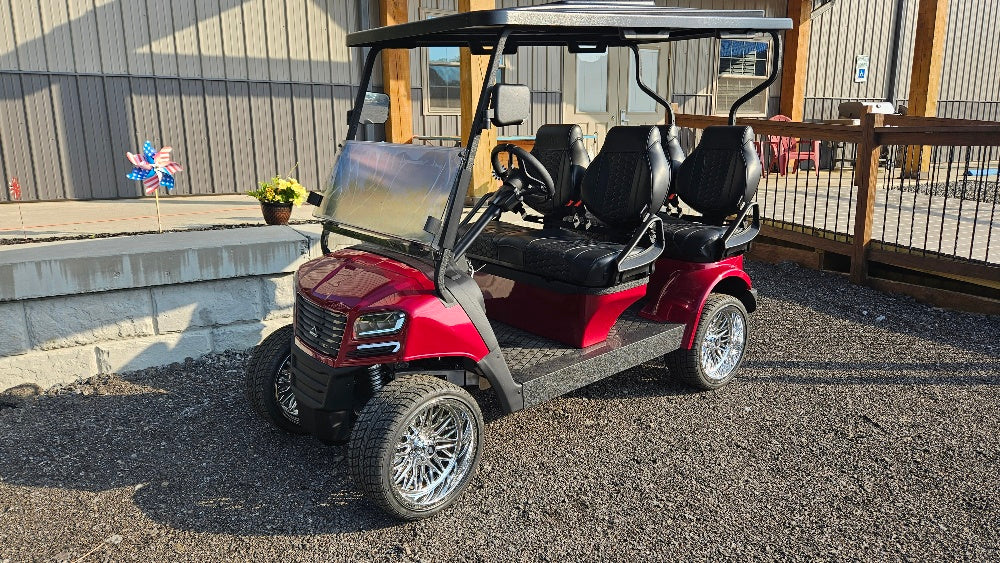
<point>375,109</point>
<point>511,104</point>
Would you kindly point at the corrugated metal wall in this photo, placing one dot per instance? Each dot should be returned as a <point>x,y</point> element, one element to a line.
<point>241,89</point>
<point>695,64</point>
<point>844,29</point>
<point>970,87</point>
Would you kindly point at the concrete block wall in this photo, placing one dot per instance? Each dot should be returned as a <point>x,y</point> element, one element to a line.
<point>87,308</point>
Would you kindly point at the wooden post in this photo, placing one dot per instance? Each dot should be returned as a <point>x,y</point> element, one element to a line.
<point>473,69</point>
<point>867,179</point>
<point>795,60</point>
<point>925,77</point>
<point>396,77</point>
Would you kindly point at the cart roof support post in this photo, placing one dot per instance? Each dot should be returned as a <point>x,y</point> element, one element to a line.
<point>472,70</point>
<point>796,60</point>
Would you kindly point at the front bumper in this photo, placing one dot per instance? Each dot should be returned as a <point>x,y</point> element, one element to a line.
<point>325,395</point>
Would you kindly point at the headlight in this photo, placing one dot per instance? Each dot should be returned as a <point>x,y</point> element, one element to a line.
<point>379,324</point>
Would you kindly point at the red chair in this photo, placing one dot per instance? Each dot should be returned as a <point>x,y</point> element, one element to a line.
<point>785,149</point>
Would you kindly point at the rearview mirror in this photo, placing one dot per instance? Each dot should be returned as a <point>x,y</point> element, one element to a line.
<point>511,104</point>
<point>375,109</point>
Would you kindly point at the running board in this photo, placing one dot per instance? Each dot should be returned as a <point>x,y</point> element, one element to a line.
<point>547,369</point>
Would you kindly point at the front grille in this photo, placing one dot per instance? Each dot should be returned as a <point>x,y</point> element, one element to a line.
<point>318,328</point>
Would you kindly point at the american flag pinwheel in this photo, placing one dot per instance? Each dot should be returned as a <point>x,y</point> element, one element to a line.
<point>154,168</point>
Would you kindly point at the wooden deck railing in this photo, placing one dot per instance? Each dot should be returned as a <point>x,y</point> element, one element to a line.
<point>910,224</point>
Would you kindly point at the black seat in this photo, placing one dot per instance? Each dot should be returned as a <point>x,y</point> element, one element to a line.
<point>718,180</point>
<point>561,151</point>
<point>560,148</point>
<point>623,187</point>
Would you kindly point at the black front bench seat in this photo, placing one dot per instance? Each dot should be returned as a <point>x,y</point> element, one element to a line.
<point>718,180</point>
<point>624,186</point>
<point>561,150</point>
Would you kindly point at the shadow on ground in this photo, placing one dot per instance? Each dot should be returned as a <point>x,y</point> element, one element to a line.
<point>195,457</point>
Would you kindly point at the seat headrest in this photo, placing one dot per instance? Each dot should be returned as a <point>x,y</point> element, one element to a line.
<point>557,137</point>
<point>629,179</point>
<point>560,149</point>
<point>724,137</point>
<point>635,138</point>
<point>721,174</point>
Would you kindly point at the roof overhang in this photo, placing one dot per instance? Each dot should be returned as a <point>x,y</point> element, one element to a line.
<point>570,23</point>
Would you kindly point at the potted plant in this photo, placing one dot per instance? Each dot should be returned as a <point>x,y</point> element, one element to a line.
<point>277,196</point>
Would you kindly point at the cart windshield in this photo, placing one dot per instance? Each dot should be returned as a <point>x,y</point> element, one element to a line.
<point>397,191</point>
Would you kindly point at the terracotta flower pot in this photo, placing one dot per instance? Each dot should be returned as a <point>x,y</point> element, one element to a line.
<point>276,213</point>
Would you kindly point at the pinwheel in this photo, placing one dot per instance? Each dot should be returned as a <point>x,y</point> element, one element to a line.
<point>154,168</point>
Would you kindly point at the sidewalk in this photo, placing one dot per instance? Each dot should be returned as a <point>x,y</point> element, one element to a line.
<point>44,220</point>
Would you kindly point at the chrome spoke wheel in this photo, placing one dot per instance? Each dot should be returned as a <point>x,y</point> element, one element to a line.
<point>434,454</point>
<point>283,394</point>
<point>722,347</point>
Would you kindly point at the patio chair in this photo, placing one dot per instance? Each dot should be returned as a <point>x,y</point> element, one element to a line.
<point>785,149</point>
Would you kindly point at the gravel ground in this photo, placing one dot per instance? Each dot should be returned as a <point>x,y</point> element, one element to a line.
<point>863,426</point>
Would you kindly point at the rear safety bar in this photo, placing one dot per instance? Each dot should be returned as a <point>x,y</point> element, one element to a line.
<point>627,261</point>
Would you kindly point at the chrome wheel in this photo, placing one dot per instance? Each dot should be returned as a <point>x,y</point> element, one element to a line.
<point>283,394</point>
<point>435,454</point>
<point>722,347</point>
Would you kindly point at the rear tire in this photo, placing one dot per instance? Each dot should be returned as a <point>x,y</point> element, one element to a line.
<point>268,382</point>
<point>719,345</point>
<point>416,446</point>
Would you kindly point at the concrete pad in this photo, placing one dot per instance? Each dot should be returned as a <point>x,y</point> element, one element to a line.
<point>72,267</point>
<point>46,219</point>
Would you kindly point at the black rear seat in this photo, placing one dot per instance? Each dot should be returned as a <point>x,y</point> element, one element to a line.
<point>623,186</point>
<point>718,179</point>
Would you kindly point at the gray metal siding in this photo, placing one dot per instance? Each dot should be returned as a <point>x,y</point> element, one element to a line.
<point>241,90</point>
<point>539,68</point>
<point>843,29</point>
<point>694,64</point>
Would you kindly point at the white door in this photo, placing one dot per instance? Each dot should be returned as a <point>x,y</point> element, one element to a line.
<point>601,91</point>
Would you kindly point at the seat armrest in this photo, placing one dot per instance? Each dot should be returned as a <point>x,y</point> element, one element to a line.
<point>647,256</point>
<point>733,239</point>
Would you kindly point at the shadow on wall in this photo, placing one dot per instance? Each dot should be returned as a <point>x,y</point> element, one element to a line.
<point>160,80</point>
<point>134,329</point>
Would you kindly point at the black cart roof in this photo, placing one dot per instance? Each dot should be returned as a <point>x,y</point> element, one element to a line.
<point>571,22</point>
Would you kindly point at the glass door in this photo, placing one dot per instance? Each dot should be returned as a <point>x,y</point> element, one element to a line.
<point>600,91</point>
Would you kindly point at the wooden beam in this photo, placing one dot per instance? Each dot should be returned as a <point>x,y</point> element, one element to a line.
<point>866,176</point>
<point>473,69</point>
<point>795,59</point>
<point>925,76</point>
<point>396,77</point>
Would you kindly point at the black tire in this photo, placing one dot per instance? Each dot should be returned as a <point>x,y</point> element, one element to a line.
<point>688,365</point>
<point>266,363</point>
<point>382,427</point>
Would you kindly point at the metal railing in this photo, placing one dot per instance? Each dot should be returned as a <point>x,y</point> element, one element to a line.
<point>917,197</point>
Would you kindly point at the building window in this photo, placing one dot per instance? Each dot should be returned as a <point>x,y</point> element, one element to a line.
<point>444,84</point>
<point>817,4</point>
<point>742,66</point>
<point>442,76</point>
<point>743,58</point>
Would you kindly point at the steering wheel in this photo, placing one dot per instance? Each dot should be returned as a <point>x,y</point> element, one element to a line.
<point>530,173</point>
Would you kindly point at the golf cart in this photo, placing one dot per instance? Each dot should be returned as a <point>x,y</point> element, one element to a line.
<point>436,298</point>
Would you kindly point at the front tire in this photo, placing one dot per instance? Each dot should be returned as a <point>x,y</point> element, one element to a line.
<point>269,382</point>
<point>719,345</point>
<point>416,446</point>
